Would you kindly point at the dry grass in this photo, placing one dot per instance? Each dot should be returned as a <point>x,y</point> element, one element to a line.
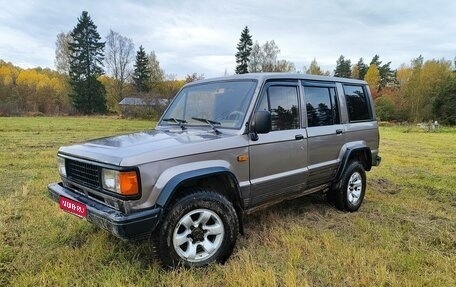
<point>403,235</point>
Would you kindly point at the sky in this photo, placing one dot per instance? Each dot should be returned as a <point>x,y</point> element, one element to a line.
<point>200,36</point>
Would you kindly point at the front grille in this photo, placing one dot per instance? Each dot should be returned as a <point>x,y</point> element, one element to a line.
<point>83,173</point>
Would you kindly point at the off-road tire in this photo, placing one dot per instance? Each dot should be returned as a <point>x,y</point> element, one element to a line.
<point>206,202</point>
<point>348,193</point>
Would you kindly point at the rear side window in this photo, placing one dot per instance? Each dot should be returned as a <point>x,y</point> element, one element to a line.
<point>358,106</point>
<point>321,105</point>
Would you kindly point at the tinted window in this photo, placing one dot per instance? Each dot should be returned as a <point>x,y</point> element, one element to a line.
<point>357,103</point>
<point>321,104</point>
<point>282,102</point>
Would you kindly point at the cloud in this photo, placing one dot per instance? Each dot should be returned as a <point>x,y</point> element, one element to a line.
<point>201,36</point>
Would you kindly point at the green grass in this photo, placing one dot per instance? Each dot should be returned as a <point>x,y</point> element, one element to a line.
<point>403,235</point>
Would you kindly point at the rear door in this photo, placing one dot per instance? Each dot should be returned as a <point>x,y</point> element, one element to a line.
<point>278,160</point>
<point>324,130</point>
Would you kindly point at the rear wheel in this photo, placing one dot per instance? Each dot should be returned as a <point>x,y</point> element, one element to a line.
<point>348,193</point>
<point>199,228</point>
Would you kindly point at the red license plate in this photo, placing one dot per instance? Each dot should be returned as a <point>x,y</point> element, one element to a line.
<point>73,207</point>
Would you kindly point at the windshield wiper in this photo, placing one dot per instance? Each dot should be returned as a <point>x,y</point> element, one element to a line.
<point>177,121</point>
<point>210,123</point>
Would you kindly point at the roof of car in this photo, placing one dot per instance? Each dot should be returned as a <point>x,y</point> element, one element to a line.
<point>278,76</point>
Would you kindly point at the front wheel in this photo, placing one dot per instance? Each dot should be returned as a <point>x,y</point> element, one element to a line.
<point>199,228</point>
<point>348,193</point>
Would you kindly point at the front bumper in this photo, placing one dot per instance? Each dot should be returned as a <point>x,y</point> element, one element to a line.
<point>134,226</point>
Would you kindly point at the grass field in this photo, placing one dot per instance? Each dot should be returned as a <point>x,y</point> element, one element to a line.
<point>403,235</point>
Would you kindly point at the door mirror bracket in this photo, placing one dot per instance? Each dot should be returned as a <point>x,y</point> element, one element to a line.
<point>261,124</point>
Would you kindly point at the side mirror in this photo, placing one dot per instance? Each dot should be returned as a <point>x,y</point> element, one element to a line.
<point>261,124</point>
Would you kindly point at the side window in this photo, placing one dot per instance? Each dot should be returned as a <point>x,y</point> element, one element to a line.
<point>322,107</point>
<point>282,102</point>
<point>357,103</point>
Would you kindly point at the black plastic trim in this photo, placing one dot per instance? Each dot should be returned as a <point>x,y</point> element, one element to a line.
<point>345,158</point>
<point>136,225</point>
<point>377,161</point>
<point>174,183</point>
<point>314,83</point>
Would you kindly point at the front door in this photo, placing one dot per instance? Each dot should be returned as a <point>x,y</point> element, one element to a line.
<point>278,160</point>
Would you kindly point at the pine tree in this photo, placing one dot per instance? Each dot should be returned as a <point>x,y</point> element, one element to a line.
<point>244,48</point>
<point>142,72</point>
<point>387,76</point>
<point>343,68</point>
<point>362,68</point>
<point>444,106</point>
<point>86,61</point>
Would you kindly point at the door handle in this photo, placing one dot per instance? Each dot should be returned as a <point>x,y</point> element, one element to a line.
<point>299,137</point>
<point>339,131</point>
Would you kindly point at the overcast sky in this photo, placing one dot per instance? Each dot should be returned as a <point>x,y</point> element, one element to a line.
<point>201,35</point>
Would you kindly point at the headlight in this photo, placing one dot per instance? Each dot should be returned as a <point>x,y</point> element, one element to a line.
<point>110,179</point>
<point>121,182</point>
<point>61,166</point>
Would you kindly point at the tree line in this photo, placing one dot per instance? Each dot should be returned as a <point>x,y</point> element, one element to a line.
<point>415,92</point>
<point>32,91</point>
<point>93,76</point>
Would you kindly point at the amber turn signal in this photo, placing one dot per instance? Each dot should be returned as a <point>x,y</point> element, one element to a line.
<point>128,183</point>
<point>242,157</point>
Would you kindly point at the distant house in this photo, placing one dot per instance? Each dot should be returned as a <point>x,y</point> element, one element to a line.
<point>140,107</point>
<point>132,102</point>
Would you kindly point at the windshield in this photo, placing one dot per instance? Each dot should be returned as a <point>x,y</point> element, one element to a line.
<point>224,103</point>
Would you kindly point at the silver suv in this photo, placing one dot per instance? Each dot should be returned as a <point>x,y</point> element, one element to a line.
<point>223,148</point>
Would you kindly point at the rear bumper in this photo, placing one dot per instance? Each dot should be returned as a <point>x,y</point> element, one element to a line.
<point>134,226</point>
<point>377,160</point>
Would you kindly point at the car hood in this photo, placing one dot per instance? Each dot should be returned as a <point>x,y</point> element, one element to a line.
<point>148,146</point>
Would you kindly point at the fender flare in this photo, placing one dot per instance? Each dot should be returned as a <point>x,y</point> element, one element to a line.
<point>346,157</point>
<point>173,184</point>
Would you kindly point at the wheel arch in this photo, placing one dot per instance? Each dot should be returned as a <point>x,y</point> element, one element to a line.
<point>218,178</point>
<point>360,153</point>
